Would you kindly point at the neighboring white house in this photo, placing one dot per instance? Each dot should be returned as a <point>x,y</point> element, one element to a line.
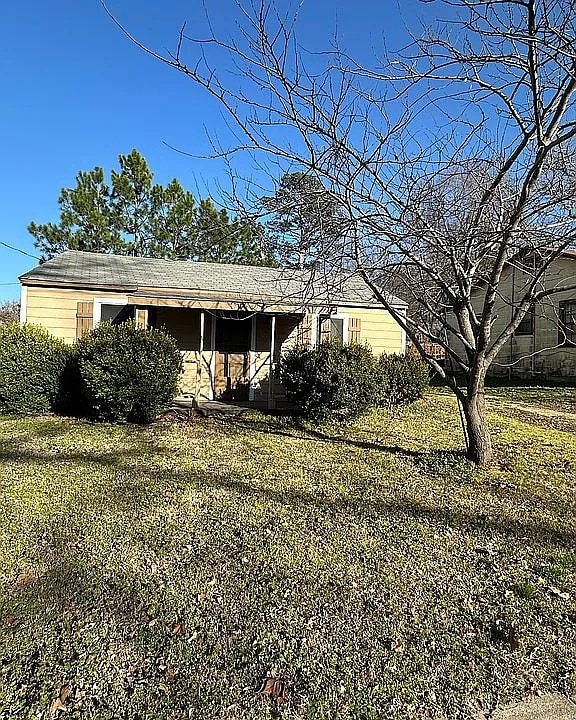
<point>544,344</point>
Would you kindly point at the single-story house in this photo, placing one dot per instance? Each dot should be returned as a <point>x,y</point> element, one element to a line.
<point>544,344</point>
<point>231,322</point>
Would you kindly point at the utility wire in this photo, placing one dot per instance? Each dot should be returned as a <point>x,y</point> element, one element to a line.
<point>23,252</point>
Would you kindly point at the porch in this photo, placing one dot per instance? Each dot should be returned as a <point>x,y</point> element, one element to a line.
<point>229,355</point>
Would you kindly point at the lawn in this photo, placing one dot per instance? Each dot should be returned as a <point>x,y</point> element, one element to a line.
<point>247,569</point>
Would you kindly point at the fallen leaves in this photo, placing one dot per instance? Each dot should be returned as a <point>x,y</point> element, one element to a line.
<point>11,620</point>
<point>505,633</point>
<point>274,687</point>
<point>26,578</point>
<point>394,645</point>
<point>59,703</point>
<point>178,629</point>
<point>558,593</point>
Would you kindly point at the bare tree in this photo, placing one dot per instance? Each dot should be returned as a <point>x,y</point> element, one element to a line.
<point>9,312</point>
<point>452,159</point>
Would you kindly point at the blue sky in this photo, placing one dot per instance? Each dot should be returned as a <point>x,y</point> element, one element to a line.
<point>76,93</point>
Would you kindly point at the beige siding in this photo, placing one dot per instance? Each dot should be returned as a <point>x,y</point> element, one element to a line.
<point>55,309</point>
<point>538,353</point>
<point>377,329</point>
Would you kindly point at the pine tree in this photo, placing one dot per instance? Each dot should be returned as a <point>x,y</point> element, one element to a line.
<point>132,215</point>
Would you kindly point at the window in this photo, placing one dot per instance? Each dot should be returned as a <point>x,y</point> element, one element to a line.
<point>116,313</point>
<point>330,328</point>
<point>526,326</point>
<point>567,322</point>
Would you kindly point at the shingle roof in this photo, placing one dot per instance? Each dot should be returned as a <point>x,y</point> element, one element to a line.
<point>83,269</point>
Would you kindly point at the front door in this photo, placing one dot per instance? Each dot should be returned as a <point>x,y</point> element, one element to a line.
<point>232,376</point>
<point>232,361</point>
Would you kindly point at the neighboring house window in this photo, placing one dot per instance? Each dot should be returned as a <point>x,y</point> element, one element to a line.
<point>330,328</point>
<point>526,326</point>
<point>567,324</point>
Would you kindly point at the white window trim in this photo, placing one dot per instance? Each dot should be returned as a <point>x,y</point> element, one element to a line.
<point>404,312</point>
<point>98,302</point>
<point>334,316</point>
<point>23,304</point>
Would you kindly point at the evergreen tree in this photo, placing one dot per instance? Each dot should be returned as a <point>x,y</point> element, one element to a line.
<point>305,218</point>
<point>132,215</point>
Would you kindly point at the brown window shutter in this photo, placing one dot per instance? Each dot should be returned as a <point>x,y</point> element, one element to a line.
<point>324,330</point>
<point>305,330</point>
<point>142,317</point>
<point>84,318</point>
<point>354,327</point>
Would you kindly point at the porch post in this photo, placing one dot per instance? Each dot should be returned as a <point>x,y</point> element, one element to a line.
<point>271,402</point>
<point>314,339</point>
<point>200,358</point>
<point>252,366</point>
<point>213,322</point>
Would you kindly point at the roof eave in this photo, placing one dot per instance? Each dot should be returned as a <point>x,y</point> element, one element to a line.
<point>198,294</point>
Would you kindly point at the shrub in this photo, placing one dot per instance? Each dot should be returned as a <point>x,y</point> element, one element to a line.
<point>125,372</point>
<point>404,378</point>
<point>31,365</point>
<point>332,379</point>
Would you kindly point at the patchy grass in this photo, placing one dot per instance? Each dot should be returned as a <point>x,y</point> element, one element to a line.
<point>245,569</point>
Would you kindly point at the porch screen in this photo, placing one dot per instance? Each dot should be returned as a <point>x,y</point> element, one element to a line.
<point>233,336</point>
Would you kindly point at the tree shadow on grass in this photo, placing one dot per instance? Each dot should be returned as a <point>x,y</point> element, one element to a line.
<point>21,448</point>
<point>296,431</point>
<point>77,590</point>
<point>137,485</point>
<point>74,591</point>
<point>457,517</point>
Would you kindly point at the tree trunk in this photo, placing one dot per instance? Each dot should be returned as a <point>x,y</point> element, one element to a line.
<point>479,444</point>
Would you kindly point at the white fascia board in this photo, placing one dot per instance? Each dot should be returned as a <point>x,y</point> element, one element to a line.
<point>23,304</point>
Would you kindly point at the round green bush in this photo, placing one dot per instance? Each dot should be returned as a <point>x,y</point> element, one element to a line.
<point>404,378</point>
<point>125,372</point>
<point>330,380</point>
<point>31,365</point>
